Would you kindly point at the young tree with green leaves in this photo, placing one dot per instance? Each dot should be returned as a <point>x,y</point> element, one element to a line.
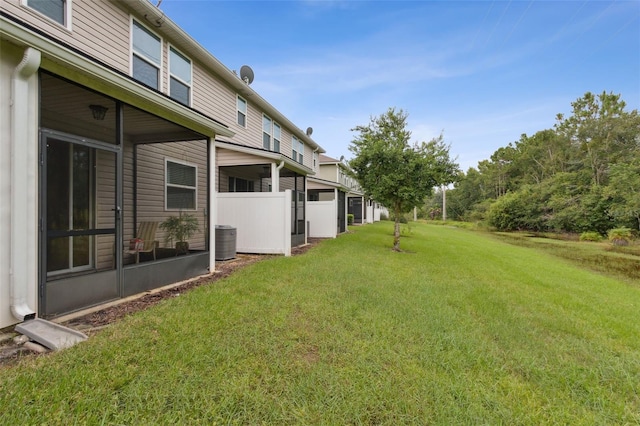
<point>394,172</point>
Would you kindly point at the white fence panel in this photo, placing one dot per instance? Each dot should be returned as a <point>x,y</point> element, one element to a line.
<point>369,214</point>
<point>322,217</point>
<point>262,220</point>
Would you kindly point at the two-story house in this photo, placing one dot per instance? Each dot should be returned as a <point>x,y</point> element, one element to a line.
<point>113,119</point>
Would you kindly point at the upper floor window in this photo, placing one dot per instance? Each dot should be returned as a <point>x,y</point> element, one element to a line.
<point>315,161</point>
<point>298,149</point>
<point>180,80</point>
<point>266,132</point>
<point>241,106</point>
<point>57,10</point>
<point>180,185</point>
<point>146,56</point>
<point>277,132</point>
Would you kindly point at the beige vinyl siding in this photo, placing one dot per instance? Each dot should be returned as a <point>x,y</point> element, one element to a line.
<point>328,172</point>
<point>127,213</point>
<point>213,97</point>
<point>318,185</point>
<point>252,134</point>
<point>226,157</point>
<point>98,28</point>
<point>151,184</point>
<point>105,202</point>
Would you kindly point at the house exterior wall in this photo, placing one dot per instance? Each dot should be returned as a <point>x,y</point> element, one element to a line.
<point>92,23</point>
<point>151,187</point>
<point>105,197</point>
<point>328,172</point>
<point>101,30</point>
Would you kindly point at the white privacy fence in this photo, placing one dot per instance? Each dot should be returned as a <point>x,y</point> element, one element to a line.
<point>322,219</point>
<point>369,214</point>
<point>262,220</point>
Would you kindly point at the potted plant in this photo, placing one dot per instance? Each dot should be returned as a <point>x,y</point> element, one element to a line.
<point>180,228</point>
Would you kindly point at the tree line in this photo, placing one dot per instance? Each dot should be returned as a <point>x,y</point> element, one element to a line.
<point>583,175</point>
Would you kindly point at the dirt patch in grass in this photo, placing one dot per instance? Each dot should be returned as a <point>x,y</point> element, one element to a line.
<point>91,323</point>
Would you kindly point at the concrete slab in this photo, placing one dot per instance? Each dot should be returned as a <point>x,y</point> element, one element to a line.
<point>53,336</point>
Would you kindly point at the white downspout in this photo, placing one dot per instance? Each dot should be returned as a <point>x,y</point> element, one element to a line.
<point>275,176</point>
<point>19,235</point>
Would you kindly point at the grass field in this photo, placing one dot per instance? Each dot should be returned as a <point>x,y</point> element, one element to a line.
<point>462,328</point>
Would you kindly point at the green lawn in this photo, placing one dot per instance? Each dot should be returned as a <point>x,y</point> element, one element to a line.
<point>460,329</point>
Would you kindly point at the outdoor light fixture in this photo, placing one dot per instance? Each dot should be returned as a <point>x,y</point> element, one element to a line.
<point>98,111</point>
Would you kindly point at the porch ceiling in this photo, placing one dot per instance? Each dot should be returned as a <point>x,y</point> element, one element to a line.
<point>67,104</point>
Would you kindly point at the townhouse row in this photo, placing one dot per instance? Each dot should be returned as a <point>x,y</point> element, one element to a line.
<point>113,118</point>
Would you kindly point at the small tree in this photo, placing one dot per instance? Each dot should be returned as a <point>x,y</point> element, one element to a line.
<point>394,172</point>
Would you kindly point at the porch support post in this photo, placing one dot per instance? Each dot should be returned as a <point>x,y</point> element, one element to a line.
<point>275,176</point>
<point>23,183</point>
<point>212,215</point>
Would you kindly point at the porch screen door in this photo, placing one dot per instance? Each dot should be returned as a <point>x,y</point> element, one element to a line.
<point>79,216</point>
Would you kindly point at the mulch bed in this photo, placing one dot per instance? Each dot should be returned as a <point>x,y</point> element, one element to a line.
<point>90,323</point>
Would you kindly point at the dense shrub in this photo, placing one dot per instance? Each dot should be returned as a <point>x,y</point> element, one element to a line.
<point>516,211</point>
<point>350,219</point>
<point>590,236</point>
<point>620,236</point>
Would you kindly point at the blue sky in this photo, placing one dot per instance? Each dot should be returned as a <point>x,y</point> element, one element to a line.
<point>481,72</point>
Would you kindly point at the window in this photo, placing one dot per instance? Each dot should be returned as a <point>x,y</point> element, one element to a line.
<point>180,181</point>
<point>315,161</point>
<point>180,77</point>
<point>57,10</point>
<point>277,131</point>
<point>266,132</point>
<point>241,106</point>
<point>146,56</point>
<point>298,149</point>
<point>240,185</point>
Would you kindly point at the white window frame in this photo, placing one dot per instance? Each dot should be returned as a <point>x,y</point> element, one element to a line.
<point>297,149</point>
<point>244,113</point>
<point>68,7</point>
<point>168,160</point>
<point>189,84</point>
<point>269,133</point>
<point>277,137</point>
<point>294,148</point>
<point>142,56</point>
<point>301,152</point>
<point>315,161</point>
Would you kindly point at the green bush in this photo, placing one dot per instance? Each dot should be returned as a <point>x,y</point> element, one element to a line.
<point>516,211</point>
<point>349,219</point>
<point>590,236</point>
<point>620,236</point>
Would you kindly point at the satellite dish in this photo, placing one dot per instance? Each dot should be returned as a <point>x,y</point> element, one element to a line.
<point>246,74</point>
<point>341,158</point>
<point>309,131</point>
